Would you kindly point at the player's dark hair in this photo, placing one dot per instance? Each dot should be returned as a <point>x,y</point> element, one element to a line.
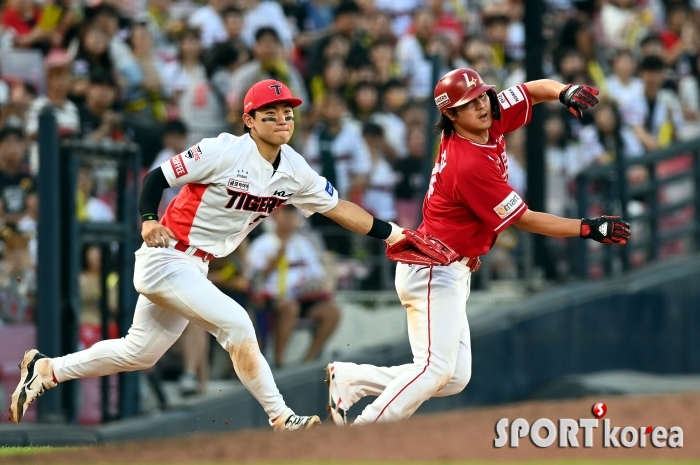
<point>444,125</point>
<point>246,129</point>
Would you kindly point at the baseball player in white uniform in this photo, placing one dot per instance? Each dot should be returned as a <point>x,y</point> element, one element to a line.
<point>230,184</point>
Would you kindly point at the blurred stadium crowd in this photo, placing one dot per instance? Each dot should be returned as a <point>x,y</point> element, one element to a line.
<point>166,74</point>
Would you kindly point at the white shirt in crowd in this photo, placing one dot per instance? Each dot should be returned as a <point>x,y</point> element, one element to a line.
<point>303,267</point>
<point>67,117</point>
<point>622,94</point>
<point>415,67</point>
<point>401,12</point>
<point>350,152</point>
<point>667,108</point>
<point>394,131</point>
<point>209,21</point>
<point>200,108</point>
<point>229,189</point>
<point>266,14</point>
<point>67,120</point>
<point>379,196</point>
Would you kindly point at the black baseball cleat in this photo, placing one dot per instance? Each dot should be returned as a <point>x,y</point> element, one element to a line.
<point>36,376</point>
<point>336,413</point>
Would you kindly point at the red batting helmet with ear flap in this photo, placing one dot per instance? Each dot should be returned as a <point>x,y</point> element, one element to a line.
<point>461,86</point>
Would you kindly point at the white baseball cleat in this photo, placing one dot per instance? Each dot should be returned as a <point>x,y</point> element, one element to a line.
<point>336,413</point>
<point>289,421</point>
<point>36,376</point>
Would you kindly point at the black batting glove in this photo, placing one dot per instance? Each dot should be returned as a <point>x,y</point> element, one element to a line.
<point>578,98</point>
<point>606,229</point>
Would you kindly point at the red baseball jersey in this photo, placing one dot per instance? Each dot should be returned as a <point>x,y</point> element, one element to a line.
<point>469,201</point>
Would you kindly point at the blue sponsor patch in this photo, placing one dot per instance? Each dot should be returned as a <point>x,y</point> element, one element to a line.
<point>329,188</point>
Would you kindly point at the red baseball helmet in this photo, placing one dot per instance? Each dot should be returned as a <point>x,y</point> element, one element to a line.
<point>463,85</point>
<point>266,92</point>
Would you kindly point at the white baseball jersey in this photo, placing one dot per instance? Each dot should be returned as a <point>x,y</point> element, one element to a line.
<point>229,188</point>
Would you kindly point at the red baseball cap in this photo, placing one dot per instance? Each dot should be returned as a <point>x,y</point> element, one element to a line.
<point>266,92</point>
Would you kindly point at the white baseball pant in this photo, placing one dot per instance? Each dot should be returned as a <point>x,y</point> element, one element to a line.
<point>435,300</point>
<point>175,291</point>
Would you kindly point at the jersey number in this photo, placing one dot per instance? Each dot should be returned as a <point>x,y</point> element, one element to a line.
<point>439,166</point>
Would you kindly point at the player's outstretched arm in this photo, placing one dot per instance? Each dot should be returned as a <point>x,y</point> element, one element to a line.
<point>577,98</point>
<point>354,218</point>
<point>605,229</point>
<point>153,233</point>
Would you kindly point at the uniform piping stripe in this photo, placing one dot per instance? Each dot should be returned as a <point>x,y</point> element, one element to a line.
<point>430,279</point>
<point>512,215</point>
<point>527,101</point>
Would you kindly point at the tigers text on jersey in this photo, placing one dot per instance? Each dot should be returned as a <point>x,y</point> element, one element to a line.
<point>229,188</point>
<point>469,201</point>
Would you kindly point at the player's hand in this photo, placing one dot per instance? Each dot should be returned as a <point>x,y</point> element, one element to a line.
<point>578,98</point>
<point>155,234</point>
<point>606,229</point>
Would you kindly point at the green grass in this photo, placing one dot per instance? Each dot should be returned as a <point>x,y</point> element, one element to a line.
<point>7,451</point>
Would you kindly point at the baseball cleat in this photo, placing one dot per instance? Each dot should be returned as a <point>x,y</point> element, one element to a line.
<point>336,414</point>
<point>294,422</point>
<point>36,376</point>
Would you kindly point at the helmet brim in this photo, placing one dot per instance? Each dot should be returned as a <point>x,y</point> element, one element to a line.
<point>470,95</point>
<point>293,101</point>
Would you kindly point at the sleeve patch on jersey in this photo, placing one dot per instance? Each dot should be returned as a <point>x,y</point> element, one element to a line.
<point>329,188</point>
<point>508,205</point>
<point>178,166</point>
<point>194,152</point>
<point>503,101</point>
<point>442,100</point>
<point>514,95</point>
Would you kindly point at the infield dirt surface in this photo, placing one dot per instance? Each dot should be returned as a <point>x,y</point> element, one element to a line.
<point>466,435</point>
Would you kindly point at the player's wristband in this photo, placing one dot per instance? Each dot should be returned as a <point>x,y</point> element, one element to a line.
<point>380,229</point>
<point>149,217</point>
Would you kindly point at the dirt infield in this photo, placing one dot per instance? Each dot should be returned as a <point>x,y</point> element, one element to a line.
<point>456,436</point>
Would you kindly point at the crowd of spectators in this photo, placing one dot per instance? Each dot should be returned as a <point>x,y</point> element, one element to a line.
<point>167,73</point>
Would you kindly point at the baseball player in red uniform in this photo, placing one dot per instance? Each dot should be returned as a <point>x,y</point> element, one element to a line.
<point>468,203</point>
<point>230,184</point>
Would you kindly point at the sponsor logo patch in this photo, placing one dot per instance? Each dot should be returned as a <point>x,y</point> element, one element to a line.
<point>194,153</point>
<point>508,205</point>
<point>442,100</point>
<point>329,188</point>
<point>503,101</point>
<point>234,183</point>
<point>603,229</point>
<point>513,95</point>
<point>178,166</point>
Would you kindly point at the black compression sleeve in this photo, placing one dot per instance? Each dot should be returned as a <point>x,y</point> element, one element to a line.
<point>380,229</point>
<point>151,192</point>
